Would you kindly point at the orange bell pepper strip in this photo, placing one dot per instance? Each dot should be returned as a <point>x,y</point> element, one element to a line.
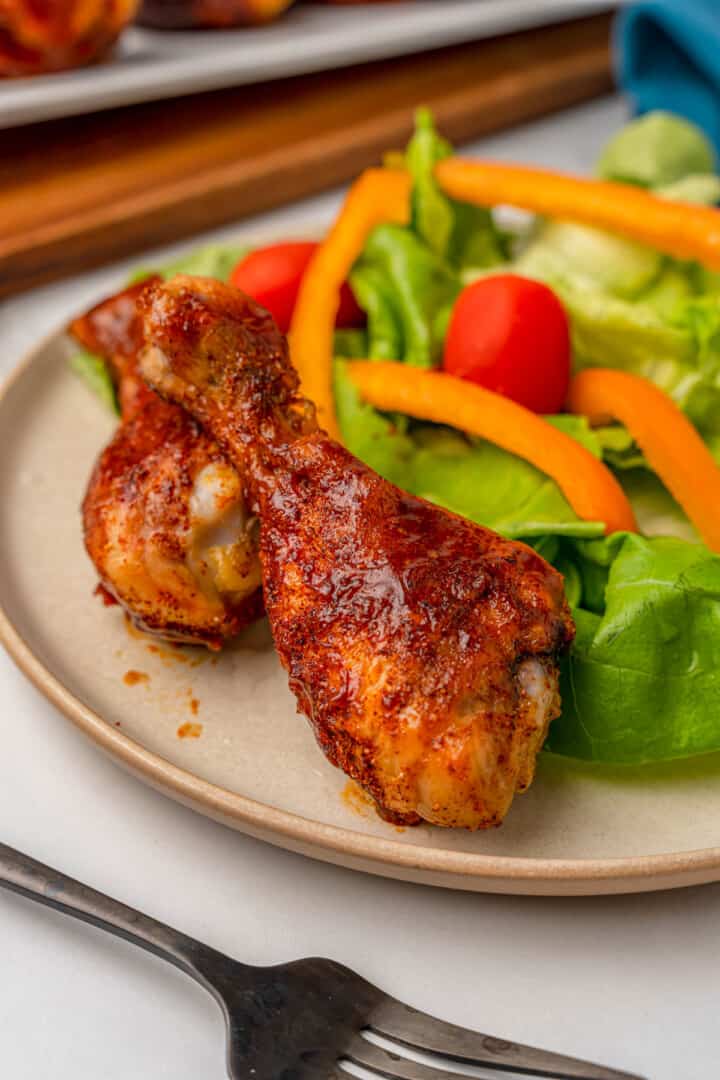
<point>680,229</point>
<point>587,484</point>
<point>666,437</point>
<point>377,196</point>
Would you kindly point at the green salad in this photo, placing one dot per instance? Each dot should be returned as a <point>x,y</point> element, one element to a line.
<point>642,682</point>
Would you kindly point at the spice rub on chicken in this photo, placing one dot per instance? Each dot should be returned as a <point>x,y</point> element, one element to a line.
<point>164,514</point>
<point>422,647</point>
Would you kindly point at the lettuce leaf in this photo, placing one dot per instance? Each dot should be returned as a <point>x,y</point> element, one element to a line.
<point>351,344</point>
<point>408,277</point>
<point>373,437</point>
<point>629,306</point>
<point>375,295</point>
<point>679,352</point>
<point>482,482</point>
<point>671,289</point>
<point>462,234</point>
<point>610,262</point>
<point>578,428</point>
<point>642,682</point>
<point>212,260</point>
<point>405,288</point>
<point>93,371</point>
<point>431,213</point>
<point>700,188</point>
<point>618,448</point>
<point>471,477</point>
<point>656,149</point>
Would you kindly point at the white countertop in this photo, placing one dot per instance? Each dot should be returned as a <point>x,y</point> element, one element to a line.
<point>628,981</point>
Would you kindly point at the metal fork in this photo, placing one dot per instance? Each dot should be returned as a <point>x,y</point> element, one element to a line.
<point>301,1021</point>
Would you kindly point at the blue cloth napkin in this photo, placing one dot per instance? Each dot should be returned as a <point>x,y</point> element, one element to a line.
<point>668,57</point>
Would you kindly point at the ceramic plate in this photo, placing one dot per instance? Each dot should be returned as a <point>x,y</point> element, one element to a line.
<point>149,64</point>
<point>251,761</point>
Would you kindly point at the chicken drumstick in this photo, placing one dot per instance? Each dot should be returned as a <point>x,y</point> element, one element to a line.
<point>164,516</point>
<point>422,647</point>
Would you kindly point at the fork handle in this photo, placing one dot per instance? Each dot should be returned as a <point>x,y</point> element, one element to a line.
<point>22,874</point>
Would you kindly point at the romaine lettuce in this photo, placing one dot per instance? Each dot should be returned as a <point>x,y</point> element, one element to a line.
<point>431,213</point>
<point>679,351</point>
<point>404,286</point>
<point>613,263</point>
<point>462,234</point>
<point>408,277</point>
<point>376,296</point>
<point>629,306</point>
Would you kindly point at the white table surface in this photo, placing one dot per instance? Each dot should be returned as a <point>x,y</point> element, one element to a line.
<point>630,981</point>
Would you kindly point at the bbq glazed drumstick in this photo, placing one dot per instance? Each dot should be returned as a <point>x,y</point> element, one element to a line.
<point>421,647</point>
<point>165,519</point>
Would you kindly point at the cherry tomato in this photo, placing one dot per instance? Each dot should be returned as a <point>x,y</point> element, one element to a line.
<point>511,335</point>
<point>272,276</point>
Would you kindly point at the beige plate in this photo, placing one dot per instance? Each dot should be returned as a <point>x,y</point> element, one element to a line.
<point>255,765</point>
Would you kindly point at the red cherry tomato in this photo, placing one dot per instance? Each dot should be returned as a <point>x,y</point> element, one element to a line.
<point>511,335</point>
<point>272,276</point>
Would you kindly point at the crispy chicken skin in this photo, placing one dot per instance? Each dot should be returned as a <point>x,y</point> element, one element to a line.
<point>421,647</point>
<point>164,514</point>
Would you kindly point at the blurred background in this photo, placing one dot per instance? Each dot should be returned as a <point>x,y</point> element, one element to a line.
<point>130,123</point>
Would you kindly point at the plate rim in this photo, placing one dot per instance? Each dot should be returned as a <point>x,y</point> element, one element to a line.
<point>563,876</point>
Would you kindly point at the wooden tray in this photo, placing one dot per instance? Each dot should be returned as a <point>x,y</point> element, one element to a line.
<point>79,192</point>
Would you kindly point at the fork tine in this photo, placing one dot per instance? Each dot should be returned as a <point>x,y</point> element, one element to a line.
<point>392,1066</point>
<point>424,1033</point>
